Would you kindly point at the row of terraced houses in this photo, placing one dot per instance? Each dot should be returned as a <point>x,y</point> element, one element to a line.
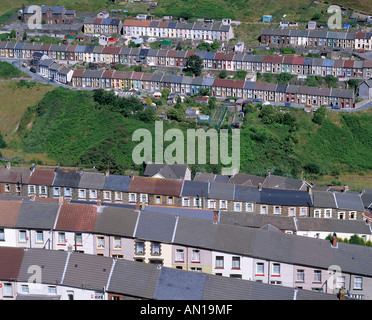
<point>180,242</point>
<point>262,198</point>
<point>317,39</point>
<point>342,68</point>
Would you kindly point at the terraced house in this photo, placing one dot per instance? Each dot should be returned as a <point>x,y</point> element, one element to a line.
<point>316,38</point>
<point>165,29</point>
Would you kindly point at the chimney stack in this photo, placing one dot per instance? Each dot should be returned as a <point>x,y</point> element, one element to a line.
<point>33,197</point>
<point>137,205</point>
<point>107,173</point>
<point>8,165</point>
<point>60,200</point>
<point>346,187</point>
<point>99,202</point>
<point>215,217</point>
<point>260,186</point>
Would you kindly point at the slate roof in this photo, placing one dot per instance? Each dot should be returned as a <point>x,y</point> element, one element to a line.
<point>15,175</point>
<point>221,191</point>
<point>51,262</point>
<point>285,197</point>
<point>77,217</point>
<point>134,279</point>
<point>175,284</point>
<point>116,221</point>
<point>155,227</point>
<point>92,180</point>
<point>273,181</point>
<point>66,178</point>
<point>246,179</point>
<point>247,194</point>
<point>87,271</point>
<point>195,188</point>
<point>37,215</point>
<point>323,199</point>
<point>117,183</point>
<point>349,201</point>
<point>174,171</point>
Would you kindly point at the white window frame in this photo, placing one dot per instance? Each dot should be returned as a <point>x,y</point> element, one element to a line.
<point>275,269</point>
<point>38,233</point>
<point>248,207</point>
<point>67,192</point>
<point>144,195</point>
<point>277,208</point>
<point>93,193</point>
<point>352,215</point>
<point>317,213</point>
<point>326,212</point>
<point>183,201</point>
<point>211,204</point>
<point>260,265</point>
<point>106,195</point>
<point>31,189</point>
<point>266,209</point>
<point>61,238</point>
<point>132,195</point>
<point>195,255</point>
<point>180,255</point>
<point>43,190</point>
<point>358,283</point>
<point>223,204</point>
<point>238,206</point>
<point>56,191</point>
<point>101,242</point>
<point>20,236</point>
<point>116,242</point>
<point>82,193</point>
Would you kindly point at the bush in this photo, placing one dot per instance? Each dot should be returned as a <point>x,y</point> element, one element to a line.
<point>312,168</point>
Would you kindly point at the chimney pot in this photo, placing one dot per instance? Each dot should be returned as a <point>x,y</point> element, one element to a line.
<point>260,186</point>
<point>137,205</point>
<point>8,165</point>
<point>99,202</point>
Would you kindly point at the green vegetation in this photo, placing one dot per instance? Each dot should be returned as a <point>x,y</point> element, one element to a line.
<point>354,239</point>
<point>8,71</point>
<point>194,65</point>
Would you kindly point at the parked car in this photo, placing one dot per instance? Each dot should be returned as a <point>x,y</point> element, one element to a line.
<point>33,69</point>
<point>257,100</point>
<point>335,107</point>
<point>287,104</point>
<point>52,80</point>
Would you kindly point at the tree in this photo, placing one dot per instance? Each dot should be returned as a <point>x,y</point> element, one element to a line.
<point>320,115</point>
<point>165,93</point>
<point>240,75</point>
<point>222,74</point>
<point>194,64</point>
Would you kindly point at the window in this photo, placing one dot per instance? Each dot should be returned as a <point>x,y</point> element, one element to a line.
<point>68,192</point>
<point>276,210</point>
<point>22,236</point>
<point>179,255</point>
<point>100,242</point>
<point>327,213</point>
<point>196,202</point>
<point>341,215</point>
<point>52,290</point>
<point>157,199</point>
<point>93,194</point>
<point>259,268</point>
<point>170,200</point>
<point>118,196</point>
<point>117,243</point>
<point>25,289</point>
<point>317,276</point>
<point>303,211</point>
<point>340,282</point>
<point>300,275</point>
<point>291,212</point>
<point>132,197</point>
<point>196,269</point>
<point>140,247</point>
<point>185,202</point>
<point>2,235</point>
<point>61,238</point>
<point>223,204</point>
<point>316,213</point>
<point>78,239</point>
<point>39,237</point>
<point>143,197</point>
<point>263,210</point>
<point>358,283</point>
<point>155,248</point>
<point>107,195</point>
<point>8,290</point>
<point>235,263</point>
<point>31,189</point>
<point>56,191</point>
<point>237,206</point>
<point>195,256</point>
<point>43,190</point>
<point>352,215</point>
<point>276,269</point>
<point>211,204</point>
<point>249,207</point>
<point>7,187</point>
<point>82,193</point>
<point>219,262</point>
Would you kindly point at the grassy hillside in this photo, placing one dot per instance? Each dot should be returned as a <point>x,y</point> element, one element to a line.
<point>74,129</point>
